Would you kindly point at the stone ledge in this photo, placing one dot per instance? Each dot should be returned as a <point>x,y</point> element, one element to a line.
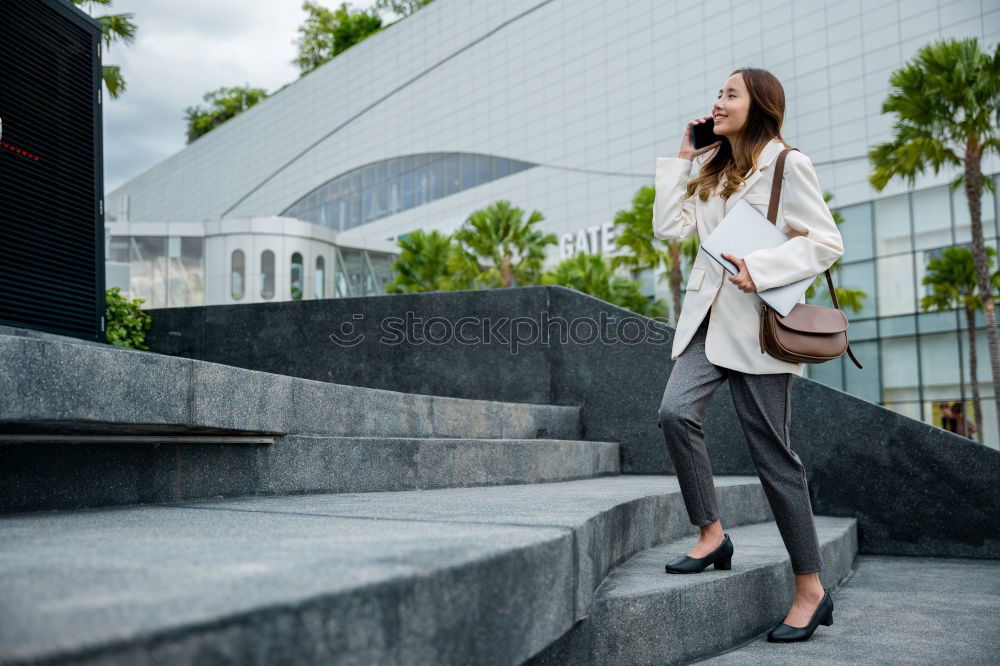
<point>49,381</point>
<point>75,474</point>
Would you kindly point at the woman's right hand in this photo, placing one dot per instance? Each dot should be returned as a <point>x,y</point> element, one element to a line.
<point>687,150</point>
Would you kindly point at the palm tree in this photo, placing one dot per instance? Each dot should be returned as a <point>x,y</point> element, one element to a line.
<point>497,248</point>
<point>952,278</point>
<point>592,274</point>
<point>632,231</point>
<point>114,27</point>
<point>947,103</point>
<point>422,264</point>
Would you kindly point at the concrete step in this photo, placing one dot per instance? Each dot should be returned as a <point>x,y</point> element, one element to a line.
<point>42,477</point>
<point>643,615</point>
<point>87,425</point>
<point>899,610</point>
<point>488,574</point>
<point>52,388</point>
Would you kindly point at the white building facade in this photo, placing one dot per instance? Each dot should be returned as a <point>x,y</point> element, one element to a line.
<point>562,107</point>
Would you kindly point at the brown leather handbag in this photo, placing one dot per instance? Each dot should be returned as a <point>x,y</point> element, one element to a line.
<point>808,333</point>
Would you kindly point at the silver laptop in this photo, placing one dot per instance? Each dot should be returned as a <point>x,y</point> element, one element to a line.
<point>743,230</point>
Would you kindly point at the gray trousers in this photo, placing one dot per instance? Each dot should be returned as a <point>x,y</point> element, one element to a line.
<point>764,407</point>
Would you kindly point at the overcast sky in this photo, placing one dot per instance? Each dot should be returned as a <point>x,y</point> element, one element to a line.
<point>183,49</point>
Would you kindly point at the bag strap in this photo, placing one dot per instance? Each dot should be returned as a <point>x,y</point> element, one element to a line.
<point>772,215</point>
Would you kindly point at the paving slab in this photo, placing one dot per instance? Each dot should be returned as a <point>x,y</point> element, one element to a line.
<point>899,610</point>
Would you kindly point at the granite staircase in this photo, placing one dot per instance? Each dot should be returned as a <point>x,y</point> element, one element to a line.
<point>161,510</point>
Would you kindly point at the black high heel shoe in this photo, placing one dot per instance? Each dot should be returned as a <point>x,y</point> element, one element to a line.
<point>786,633</point>
<point>721,557</point>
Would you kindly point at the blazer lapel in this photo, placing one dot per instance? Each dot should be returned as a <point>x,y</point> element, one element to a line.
<point>764,161</point>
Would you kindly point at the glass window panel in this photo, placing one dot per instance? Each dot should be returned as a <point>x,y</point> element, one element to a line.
<point>517,165</point>
<point>339,281</point>
<point>831,372</point>
<point>395,196</point>
<point>940,366</point>
<point>423,184</point>
<point>381,265</point>
<point>330,192</point>
<point>267,274</point>
<point>367,277</point>
<point>371,207</point>
<point>149,270</point>
<point>900,325</point>
<point>989,414</point>
<point>377,190</point>
<point>436,173</point>
<point>339,218</point>
<point>237,272</point>
<point>468,163</point>
<point>408,164</point>
<point>368,176</point>
<point>319,281</point>
<point>296,272</point>
<point>983,372</point>
<point>866,329</point>
<point>933,322</point>
<point>963,220</point>
<point>186,271</point>
<point>911,409</point>
<point>864,382</point>
<point>892,225</point>
<point>895,285</point>
<point>452,174</point>
<point>409,189</point>
<point>856,231</point>
<point>935,410</point>
<point>900,371</point>
<point>501,167</point>
<point>353,210</point>
<point>484,169</point>
<point>119,249</point>
<point>382,199</point>
<point>924,258</point>
<point>859,275</point>
<point>931,218</point>
<point>353,270</point>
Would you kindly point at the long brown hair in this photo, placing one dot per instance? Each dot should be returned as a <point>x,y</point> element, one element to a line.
<point>764,118</point>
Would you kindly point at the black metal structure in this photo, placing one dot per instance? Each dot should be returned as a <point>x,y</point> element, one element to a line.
<point>51,169</point>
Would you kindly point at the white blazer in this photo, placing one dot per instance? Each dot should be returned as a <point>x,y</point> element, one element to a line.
<point>814,244</point>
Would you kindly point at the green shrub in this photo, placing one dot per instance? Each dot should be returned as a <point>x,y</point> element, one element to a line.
<point>125,323</point>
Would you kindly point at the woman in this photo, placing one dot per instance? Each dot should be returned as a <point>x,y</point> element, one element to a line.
<point>717,335</point>
<point>963,426</point>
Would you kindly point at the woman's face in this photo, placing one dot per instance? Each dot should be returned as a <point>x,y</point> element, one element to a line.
<point>733,102</point>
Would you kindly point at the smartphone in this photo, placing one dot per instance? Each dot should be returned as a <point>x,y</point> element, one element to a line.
<point>703,134</point>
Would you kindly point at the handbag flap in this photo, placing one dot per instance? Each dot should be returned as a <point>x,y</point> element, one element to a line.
<point>817,319</point>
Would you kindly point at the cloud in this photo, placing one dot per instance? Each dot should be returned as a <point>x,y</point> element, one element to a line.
<point>183,49</point>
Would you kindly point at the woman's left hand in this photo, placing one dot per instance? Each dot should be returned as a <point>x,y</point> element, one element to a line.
<point>741,279</point>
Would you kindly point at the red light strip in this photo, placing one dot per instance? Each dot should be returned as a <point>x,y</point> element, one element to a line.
<point>23,153</point>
